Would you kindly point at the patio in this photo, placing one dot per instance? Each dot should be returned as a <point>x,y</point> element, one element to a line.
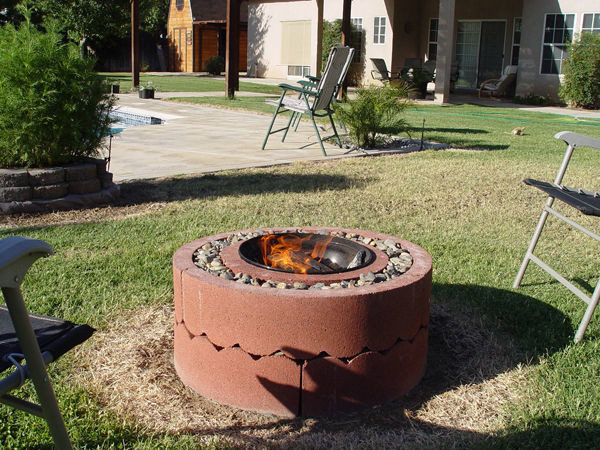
<point>194,140</point>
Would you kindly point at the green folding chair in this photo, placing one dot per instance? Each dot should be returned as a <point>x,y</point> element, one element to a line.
<point>314,102</point>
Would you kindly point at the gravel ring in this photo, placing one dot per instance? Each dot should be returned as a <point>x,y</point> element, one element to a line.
<point>208,258</point>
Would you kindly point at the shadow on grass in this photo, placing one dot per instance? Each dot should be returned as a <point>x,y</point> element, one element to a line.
<point>467,139</point>
<point>217,185</point>
<point>417,129</point>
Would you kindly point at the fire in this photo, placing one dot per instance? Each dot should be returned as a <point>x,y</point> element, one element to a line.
<point>293,253</point>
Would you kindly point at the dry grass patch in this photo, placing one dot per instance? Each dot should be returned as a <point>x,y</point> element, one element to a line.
<point>469,379</point>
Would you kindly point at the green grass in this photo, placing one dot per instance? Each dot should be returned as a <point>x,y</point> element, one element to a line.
<point>467,207</point>
<point>185,83</point>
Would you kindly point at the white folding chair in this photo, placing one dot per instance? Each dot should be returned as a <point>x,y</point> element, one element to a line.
<point>586,202</point>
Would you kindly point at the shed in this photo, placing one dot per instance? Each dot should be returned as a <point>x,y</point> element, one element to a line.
<point>197,32</point>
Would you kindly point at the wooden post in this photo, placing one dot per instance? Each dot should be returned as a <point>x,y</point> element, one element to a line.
<point>346,31</point>
<point>135,44</point>
<point>232,73</point>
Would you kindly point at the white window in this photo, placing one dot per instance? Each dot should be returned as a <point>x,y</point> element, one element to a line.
<point>295,43</point>
<point>516,44</point>
<point>591,23</point>
<point>379,30</point>
<point>356,37</point>
<point>433,39</point>
<point>298,71</point>
<point>558,31</point>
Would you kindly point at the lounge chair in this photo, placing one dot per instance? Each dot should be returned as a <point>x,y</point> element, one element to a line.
<point>314,102</point>
<point>500,86</point>
<point>381,73</point>
<point>38,340</point>
<point>586,202</point>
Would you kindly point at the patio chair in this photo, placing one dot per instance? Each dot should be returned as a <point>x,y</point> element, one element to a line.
<point>500,86</point>
<point>381,72</point>
<point>586,202</point>
<point>38,340</point>
<point>314,102</point>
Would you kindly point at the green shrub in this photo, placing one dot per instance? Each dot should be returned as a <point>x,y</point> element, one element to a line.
<point>532,99</point>
<point>376,111</point>
<point>215,65</point>
<point>53,106</point>
<point>581,85</point>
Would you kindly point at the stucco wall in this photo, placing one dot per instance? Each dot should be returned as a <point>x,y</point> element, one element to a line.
<point>264,31</point>
<point>529,78</point>
<point>264,34</point>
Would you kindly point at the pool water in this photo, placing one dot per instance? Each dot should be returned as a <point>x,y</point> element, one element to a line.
<point>126,120</point>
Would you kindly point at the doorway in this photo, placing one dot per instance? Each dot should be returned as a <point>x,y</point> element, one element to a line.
<point>479,51</point>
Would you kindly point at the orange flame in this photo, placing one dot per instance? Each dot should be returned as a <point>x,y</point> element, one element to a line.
<point>289,252</point>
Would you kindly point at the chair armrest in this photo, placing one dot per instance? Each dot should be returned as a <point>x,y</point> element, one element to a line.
<point>308,84</point>
<point>488,81</point>
<point>577,139</point>
<point>17,255</point>
<point>313,78</point>
<point>289,87</point>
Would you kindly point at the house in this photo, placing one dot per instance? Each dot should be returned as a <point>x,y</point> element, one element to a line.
<point>196,30</point>
<point>480,37</point>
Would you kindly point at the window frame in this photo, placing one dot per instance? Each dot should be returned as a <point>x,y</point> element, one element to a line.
<point>555,45</point>
<point>357,33</point>
<point>515,45</point>
<point>591,29</point>
<point>379,29</point>
<point>431,43</point>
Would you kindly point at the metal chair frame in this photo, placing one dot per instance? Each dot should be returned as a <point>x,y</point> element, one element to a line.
<point>572,140</point>
<point>314,102</point>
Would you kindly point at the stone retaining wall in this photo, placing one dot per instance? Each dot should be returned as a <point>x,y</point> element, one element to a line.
<point>54,188</point>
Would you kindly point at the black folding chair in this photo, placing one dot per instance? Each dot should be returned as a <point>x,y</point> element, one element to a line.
<point>586,202</point>
<point>37,340</point>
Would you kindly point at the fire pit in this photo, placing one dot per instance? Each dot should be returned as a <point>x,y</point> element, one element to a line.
<point>301,321</point>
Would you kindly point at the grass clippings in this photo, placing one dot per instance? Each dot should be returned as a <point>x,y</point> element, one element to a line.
<point>130,370</point>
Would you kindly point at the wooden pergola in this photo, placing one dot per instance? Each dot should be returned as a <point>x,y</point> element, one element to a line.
<point>232,74</point>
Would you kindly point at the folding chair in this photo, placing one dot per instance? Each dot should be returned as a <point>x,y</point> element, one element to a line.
<point>314,102</point>
<point>586,202</point>
<point>38,340</point>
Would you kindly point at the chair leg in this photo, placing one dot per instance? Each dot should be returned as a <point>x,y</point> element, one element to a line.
<point>292,116</point>
<point>588,313</point>
<point>270,127</point>
<point>318,135</point>
<point>335,131</point>
<point>37,372</point>
<point>532,244</point>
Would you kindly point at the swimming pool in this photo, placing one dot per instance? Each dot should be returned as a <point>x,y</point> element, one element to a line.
<point>127,120</point>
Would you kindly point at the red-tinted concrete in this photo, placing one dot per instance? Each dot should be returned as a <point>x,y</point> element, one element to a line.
<point>330,385</point>
<point>302,324</point>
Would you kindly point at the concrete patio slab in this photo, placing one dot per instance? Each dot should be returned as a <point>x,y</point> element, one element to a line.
<point>196,139</point>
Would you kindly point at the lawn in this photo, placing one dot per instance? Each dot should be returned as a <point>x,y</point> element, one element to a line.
<point>185,83</point>
<point>502,373</point>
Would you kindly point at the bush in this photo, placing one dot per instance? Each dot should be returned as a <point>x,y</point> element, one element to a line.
<point>376,111</point>
<point>215,65</point>
<point>581,86</point>
<point>53,106</point>
<point>532,99</point>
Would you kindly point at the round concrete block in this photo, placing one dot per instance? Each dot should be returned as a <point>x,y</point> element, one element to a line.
<point>15,194</point>
<point>48,176</point>
<point>50,192</point>
<point>14,177</point>
<point>84,186</point>
<point>80,172</point>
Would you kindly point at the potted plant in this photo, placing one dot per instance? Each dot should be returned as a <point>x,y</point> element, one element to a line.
<point>147,90</point>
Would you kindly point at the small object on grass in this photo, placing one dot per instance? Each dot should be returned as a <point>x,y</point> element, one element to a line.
<point>519,131</point>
